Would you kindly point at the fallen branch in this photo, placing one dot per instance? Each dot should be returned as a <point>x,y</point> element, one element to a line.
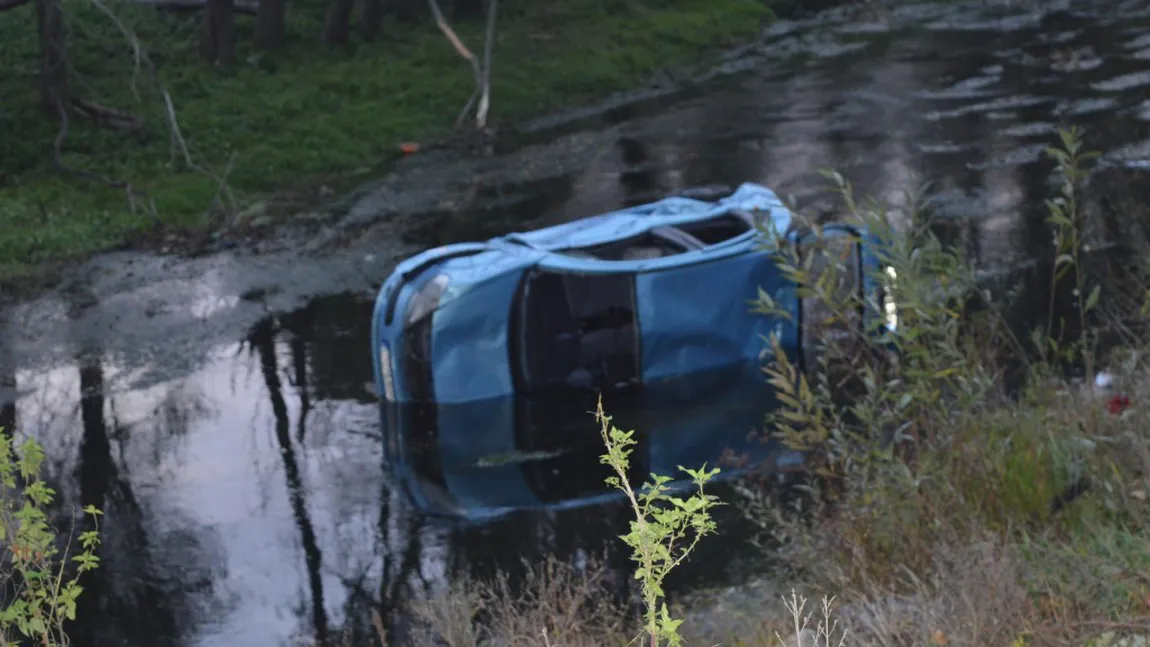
<point>1099,628</point>
<point>480,72</point>
<point>488,48</point>
<point>1138,624</point>
<point>106,116</point>
<point>134,195</point>
<point>179,145</point>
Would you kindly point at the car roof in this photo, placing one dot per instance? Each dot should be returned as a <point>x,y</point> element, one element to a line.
<point>633,221</point>
<point>520,250</point>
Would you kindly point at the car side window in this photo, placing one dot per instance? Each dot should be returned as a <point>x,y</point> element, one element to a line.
<point>575,331</point>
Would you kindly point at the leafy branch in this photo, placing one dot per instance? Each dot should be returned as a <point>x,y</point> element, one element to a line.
<point>36,570</point>
<point>665,529</point>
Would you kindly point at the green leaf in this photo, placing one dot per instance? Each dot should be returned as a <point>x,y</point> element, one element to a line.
<point>1092,300</point>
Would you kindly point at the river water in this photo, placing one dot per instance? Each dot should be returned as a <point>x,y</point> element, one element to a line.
<point>233,439</point>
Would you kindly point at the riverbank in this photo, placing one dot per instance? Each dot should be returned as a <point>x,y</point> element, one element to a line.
<point>948,505</point>
<point>968,558</point>
<point>301,123</point>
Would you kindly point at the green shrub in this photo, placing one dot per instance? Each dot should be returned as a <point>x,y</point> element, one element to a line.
<point>919,451</point>
<point>40,590</point>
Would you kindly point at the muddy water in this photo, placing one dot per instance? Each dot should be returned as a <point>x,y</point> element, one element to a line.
<point>218,407</point>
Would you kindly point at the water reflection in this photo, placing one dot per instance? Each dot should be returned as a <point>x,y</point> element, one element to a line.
<point>127,594</point>
<point>262,340</point>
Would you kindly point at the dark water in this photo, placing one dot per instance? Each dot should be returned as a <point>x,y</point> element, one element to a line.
<point>244,482</point>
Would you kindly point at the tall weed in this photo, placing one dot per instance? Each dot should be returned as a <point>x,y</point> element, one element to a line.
<point>916,447</point>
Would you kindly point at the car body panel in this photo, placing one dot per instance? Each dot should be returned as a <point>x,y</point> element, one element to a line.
<point>469,343</point>
<point>698,317</point>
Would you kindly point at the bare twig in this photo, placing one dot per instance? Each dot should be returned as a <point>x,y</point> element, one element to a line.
<point>488,46</point>
<point>1141,624</point>
<point>482,73</point>
<point>177,137</point>
<point>380,631</point>
<point>139,56</point>
<point>137,199</point>
<point>224,196</point>
<point>179,145</point>
<point>106,116</point>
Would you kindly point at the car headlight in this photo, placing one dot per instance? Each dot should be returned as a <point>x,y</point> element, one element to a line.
<point>386,373</point>
<point>426,300</point>
<point>889,305</point>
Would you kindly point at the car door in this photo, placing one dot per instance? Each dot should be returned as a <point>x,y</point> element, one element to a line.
<point>697,315</point>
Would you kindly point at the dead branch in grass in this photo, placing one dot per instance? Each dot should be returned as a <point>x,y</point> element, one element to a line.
<point>179,146</point>
<point>481,72</point>
<point>108,117</point>
<point>135,195</point>
<point>488,47</point>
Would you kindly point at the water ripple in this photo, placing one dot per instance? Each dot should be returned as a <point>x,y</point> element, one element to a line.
<point>1124,82</point>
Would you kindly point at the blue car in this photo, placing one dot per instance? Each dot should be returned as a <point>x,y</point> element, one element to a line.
<point>631,298</point>
<point>480,461</point>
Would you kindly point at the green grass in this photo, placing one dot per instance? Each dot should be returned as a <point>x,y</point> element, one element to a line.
<point>303,115</point>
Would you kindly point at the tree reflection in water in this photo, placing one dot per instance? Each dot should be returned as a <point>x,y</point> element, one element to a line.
<point>123,602</point>
<point>262,339</point>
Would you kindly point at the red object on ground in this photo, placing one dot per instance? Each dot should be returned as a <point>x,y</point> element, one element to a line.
<point>1117,404</point>
<point>407,148</point>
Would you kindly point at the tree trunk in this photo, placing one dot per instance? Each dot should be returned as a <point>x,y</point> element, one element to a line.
<point>338,23</point>
<point>53,54</point>
<point>371,18</point>
<point>218,39</point>
<point>270,24</point>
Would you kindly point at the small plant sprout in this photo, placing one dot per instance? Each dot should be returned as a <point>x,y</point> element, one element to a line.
<point>824,631</point>
<point>665,529</point>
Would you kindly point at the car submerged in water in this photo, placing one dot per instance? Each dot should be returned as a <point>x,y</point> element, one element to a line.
<point>623,299</point>
<point>489,355</point>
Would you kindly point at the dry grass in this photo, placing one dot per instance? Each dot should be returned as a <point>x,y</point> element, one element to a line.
<point>973,595</point>
<point>555,605</point>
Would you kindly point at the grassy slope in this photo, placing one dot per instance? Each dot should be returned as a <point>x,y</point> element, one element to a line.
<point>303,113</point>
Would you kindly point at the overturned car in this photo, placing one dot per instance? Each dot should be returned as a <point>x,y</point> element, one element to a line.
<point>619,300</point>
